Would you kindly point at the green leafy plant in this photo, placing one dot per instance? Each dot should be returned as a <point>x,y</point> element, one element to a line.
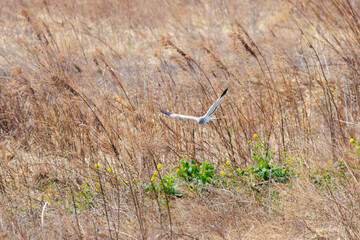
<point>207,173</point>
<point>265,168</point>
<point>187,170</point>
<point>151,187</point>
<point>86,198</point>
<point>190,172</point>
<point>192,175</point>
<point>168,184</point>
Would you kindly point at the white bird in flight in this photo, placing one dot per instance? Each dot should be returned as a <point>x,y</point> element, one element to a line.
<point>204,119</point>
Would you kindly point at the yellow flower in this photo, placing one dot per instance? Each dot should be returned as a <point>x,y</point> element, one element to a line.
<point>249,141</point>
<point>222,173</point>
<point>109,169</point>
<point>227,162</point>
<point>156,173</point>
<point>97,165</point>
<point>126,182</point>
<point>178,169</point>
<point>351,140</point>
<point>39,199</point>
<point>159,166</point>
<point>152,178</point>
<point>239,169</point>
<point>255,135</point>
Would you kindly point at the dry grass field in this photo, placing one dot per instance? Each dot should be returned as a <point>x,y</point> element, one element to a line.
<point>85,152</point>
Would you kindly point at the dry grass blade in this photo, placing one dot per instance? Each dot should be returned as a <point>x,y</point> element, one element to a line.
<point>85,152</point>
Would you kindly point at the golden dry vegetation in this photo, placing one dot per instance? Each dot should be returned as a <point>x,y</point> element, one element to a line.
<point>86,154</point>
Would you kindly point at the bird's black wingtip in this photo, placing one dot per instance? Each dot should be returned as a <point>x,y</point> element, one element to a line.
<point>223,94</point>
<point>165,112</point>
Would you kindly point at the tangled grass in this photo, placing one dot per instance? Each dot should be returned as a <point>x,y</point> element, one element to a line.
<point>85,153</point>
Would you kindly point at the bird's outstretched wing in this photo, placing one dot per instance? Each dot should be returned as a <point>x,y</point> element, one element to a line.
<point>179,116</point>
<point>216,104</point>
